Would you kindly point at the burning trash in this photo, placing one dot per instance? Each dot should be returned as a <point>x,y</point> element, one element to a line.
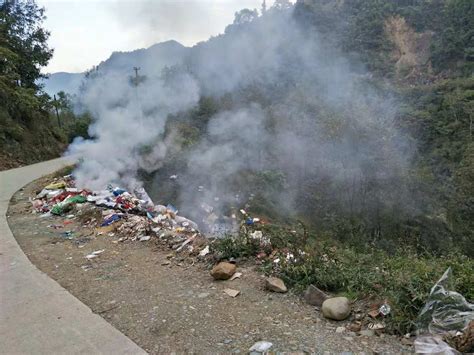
<point>132,214</point>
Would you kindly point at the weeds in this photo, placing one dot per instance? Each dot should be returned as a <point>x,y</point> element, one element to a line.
<point>403,278</point>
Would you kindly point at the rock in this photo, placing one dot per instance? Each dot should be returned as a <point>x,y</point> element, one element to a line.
<point>260,347</point>
<point>223,271</point>
<point>275,284</point>
<point>340,329</point>
<point>232,293</point>
<point>355,327</point>
<point>337,308</point>
<point>367,333</point>
<point>314,296</point>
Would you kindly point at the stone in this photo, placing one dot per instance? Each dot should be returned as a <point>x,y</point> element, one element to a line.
<point>260,347</point>
<point>314,296</point>
<point>340,329</point>
<point>275,284</point>
<point>232,293</point>
<point>367,333</point>
<point>223,271</point>
<point>336,308</point>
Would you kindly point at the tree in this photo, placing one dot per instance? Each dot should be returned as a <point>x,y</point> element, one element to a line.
<point>23,42</point>
<point>245,16</point>
<point>282,5</point>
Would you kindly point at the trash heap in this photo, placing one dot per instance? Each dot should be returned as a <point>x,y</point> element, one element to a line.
<point>135,214</point>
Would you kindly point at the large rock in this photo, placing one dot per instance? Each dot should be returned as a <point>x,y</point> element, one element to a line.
<point>337,308</point>
<point>275,284</point>
<point>314,296</point>
<point>223,271</point>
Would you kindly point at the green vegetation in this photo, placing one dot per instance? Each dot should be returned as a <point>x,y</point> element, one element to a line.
<point>394,254</point>
<point>29,130</point>
<point>403,277</point>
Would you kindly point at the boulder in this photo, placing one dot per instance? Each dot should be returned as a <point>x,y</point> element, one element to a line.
<point>275,284</point>
<point>223,271</point>
<point>314,296</point>
<point>337,308</point>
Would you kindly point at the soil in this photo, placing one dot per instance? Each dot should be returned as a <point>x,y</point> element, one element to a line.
<point>168,303</point>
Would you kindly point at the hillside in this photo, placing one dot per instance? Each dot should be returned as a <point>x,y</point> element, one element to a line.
<point>331,141</point>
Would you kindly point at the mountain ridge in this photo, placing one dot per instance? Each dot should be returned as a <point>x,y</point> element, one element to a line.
<point>150,60</point>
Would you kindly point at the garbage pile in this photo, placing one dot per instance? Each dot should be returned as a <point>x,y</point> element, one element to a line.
<point>135,214</point>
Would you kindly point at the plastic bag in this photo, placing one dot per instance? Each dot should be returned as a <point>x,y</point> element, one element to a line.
<point>445,311</point>
<point>431,344</point>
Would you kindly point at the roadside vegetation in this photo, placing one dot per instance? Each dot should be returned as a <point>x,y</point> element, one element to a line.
<point>33,126</point>
<point>402,278</point>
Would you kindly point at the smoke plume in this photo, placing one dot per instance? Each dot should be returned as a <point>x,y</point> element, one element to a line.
<point>297,108</point>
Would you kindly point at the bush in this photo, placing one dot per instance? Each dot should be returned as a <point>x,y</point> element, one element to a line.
<point>403,278</point>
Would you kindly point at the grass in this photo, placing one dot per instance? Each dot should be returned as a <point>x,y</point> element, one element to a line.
<point>403,278</point>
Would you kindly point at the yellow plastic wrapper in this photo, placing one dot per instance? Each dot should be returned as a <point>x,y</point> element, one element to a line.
<point>56,186</point>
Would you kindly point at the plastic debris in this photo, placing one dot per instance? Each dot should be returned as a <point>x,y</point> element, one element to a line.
<point>205,251</point>
<point>186,242</point>
<point>432,344</point>
<point>55,226</point>
<point>385,309</point>
<point>172,209</point>
<point>67,234</point>
<point>140,219</point>
<point>261,346</point>
<point>56,186</point>
<point>94,254</point>
<point>232,293</point>
<point>173,177</point>
<point>111,219</point>
<point>445,310</point>
<point>237,275</point>
<point>118,191</point>
<point>445,316</point>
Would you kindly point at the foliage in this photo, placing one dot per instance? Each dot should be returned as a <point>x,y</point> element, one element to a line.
<point>402,278</point>
<point>358,27</point>
<point>33,127</point>
<point>24,41</point>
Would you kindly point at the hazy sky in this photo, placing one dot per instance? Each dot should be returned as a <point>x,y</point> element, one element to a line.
<point>85,32</point>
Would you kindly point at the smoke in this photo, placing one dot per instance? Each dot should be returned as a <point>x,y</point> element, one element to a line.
<point>315,119</point>
<point>129,126</point>
<point>299,116</point>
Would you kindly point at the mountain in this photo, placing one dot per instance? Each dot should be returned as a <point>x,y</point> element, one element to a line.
<point>150,61</point>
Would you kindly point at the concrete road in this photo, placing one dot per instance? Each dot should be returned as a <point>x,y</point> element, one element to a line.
<point>37,315</point>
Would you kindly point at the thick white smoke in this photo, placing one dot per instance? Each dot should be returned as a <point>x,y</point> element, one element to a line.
<point>298,107</point>
<point>130,121</point>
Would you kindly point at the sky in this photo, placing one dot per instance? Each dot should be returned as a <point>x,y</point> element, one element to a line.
<point>86,32</point>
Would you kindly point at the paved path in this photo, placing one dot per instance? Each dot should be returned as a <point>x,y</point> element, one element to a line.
<point>37,315</point>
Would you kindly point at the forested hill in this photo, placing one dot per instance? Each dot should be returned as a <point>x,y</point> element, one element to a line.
<point>395,37</point>
<point>425,49</point>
